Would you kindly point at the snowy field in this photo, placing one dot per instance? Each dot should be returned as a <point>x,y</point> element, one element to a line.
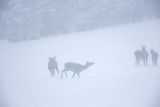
<point>113,81</point>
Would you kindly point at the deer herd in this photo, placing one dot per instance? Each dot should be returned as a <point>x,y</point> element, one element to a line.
<point>142,55</point>
<point>69,66</point>
<point>76,68</point>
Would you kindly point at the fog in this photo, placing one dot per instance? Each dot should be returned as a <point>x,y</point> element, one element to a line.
<point>79,53</point>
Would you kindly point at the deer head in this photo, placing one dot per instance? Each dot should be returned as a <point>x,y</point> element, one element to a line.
<point>143,47</point>
<point>52,58</point>
<point>89,63</point>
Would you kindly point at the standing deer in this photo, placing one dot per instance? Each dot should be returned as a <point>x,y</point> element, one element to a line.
<point>141,55</point>
<point>75,68</point>
<point>52,66</point>
<point>154,56</point>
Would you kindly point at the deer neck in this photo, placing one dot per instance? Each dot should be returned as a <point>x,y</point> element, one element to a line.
<point>85,67</point>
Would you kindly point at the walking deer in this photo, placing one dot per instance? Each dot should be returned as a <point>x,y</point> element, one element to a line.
<point>75,68</point>
<point>141,55</point>
<point>52,66</point>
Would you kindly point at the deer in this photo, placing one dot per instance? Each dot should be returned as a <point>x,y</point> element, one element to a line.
<point>141,55</point>
<point>154,56</point>
<point>52,66</point>
<point>76,68</point>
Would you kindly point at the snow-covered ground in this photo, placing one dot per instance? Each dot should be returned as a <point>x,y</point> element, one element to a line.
<point>113,81</point>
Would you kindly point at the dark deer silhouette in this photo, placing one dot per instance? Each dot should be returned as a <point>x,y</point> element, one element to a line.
<point>154,56</point>
<point>75,68</point>
<point>52,66</point>
<point>141,55</point>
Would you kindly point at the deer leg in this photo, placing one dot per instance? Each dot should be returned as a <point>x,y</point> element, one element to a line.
<point>78,74</point>
<point>62,74</point>
<point>152,62</point>
<point>53,72</point>
<point>50,72</point>
<point>57,70</point>
<point>138,62</point>
<point>66,73</point>
<point>63,71</point>
<point>144,63</point>
<point>73,75</point>
<point>155,62</point>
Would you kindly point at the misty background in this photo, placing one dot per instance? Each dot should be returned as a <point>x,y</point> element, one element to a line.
<point>26,20</point>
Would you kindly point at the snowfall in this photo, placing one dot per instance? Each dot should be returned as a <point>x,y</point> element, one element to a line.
<point>113,81</point>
